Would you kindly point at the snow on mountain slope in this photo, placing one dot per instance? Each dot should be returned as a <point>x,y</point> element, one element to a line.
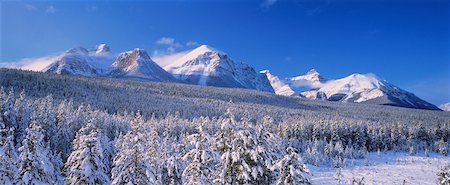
<point>209,67</point>
<point>102,58</point>
<point>445,106</point>
<point>310,81</point>
<point>278,85</point>
<point>137,64</point>
<point>353,83</point>
<point>356,88</point>
<point>74,61</point>
<point>368,88</point>
<point>100,61</point>
<point>102,49</point>
<point>80,61</point>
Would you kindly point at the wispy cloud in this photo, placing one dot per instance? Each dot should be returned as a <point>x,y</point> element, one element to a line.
<point>169,41</point>
<point>30,7</point>
<point>192,44</point>
<point>165,59</point>
<point>314,11</point>
<point>268,3</point>
<point>50,9</point>
<point>32,64</point>
<point>172,46</point>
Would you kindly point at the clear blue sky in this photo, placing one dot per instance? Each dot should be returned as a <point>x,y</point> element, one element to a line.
<point>403,41</point>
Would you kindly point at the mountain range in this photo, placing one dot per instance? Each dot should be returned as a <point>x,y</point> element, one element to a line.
<point>207,66</point>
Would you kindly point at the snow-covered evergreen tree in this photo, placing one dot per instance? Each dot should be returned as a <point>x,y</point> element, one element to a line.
<point>201,159</point>
<point>292,169</point>
<point>85,164</point>
<point>444,175</point>
<point>8,156</point>
<point>131,164</point>
<point>35,166</point>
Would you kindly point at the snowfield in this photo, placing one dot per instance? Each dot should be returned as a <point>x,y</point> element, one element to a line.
<point>386,168</point>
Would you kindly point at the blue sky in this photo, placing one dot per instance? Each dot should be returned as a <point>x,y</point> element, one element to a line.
<point>404,42</point>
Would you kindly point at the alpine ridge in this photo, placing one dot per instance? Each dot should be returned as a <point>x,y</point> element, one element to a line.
<point>207,66</point>
<point>356,88</point>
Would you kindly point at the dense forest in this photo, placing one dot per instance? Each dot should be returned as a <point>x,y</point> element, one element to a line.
<point>58,129</point>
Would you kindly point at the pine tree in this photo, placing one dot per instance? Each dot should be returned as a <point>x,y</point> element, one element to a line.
<point>292,170</point>
<point>8,156</point>
<point>35,166</point>
<point>201,159</point>
<point>242,162</point>
<point>131,164</point>
<point>85,164</point>
<point>444,175</point>
<point>174,170</point>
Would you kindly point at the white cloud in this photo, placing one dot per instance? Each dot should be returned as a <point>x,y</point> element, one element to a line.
<point>169,41</point>
<point>30,7</point>
<point>165,59</point>
<point>192,44</point>
<point>268,3</point>
<point>32,64</point>
<point>50,9</point>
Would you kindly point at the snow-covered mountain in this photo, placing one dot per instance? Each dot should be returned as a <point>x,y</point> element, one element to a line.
<point>358,88</point>
<point>278,85</point>
<point>209,67</point>
<point>100,61</point>
<point>137,64</point>
<point>74,61</point>
<point>445,107</point>
<point>310,81</point>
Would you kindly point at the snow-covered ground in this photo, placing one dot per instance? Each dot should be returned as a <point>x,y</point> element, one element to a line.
<point>388,168</point>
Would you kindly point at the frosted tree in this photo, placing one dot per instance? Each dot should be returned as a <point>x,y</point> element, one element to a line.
<point>266,150</point>
<point>174,170</point>
<point>292,169</point>
<point>131,164</point>
<point>22,115</point>
<point>85,164</point>
<point>9,116</point>
<point>444,175</point>
<point>443,147</point>
<point>64,135</point>
<point>223,137</point>
<point>243,163</point>
<point>201,159</point>
<point>35,166</point>
<point>8,156</point>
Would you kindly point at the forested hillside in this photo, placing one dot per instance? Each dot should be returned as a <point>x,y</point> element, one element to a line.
<point>71,129</point>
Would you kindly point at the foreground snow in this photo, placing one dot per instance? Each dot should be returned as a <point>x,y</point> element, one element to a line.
<point>388,168</point>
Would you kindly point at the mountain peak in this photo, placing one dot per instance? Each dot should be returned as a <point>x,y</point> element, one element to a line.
<point>200,51</point>
<point>139,53</point>
<point>265,72</point>
<point>312,71</point>
<point>77,51</point>
<point>102,48</point>
<point>312,76</point>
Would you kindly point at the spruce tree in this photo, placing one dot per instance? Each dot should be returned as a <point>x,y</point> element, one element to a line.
<point>85,164</point>
<point>35,166</point>
<point>8,156</point>
<point>292,170</point>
